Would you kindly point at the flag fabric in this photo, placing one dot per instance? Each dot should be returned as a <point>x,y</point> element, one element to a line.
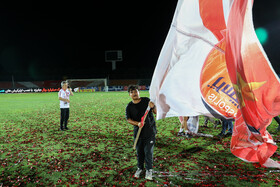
<point>213,64</point>
<point>191,77</point>
<point>144,116</point>
<point>257,87</point>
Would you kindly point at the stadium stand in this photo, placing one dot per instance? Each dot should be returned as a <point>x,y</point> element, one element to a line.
<point>56,83</point>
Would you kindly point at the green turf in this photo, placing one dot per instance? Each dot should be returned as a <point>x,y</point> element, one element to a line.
<point>97,150</point>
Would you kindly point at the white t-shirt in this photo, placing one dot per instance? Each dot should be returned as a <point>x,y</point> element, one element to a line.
<point>65,95</point>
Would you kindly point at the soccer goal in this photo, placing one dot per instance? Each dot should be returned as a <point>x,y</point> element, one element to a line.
<point>88,85</point>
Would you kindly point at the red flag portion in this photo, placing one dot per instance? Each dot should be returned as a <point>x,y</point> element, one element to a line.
<point>256,87</point>
<point>212,15</point>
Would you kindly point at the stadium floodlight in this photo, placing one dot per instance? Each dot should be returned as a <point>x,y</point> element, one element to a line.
<point>79,84</point>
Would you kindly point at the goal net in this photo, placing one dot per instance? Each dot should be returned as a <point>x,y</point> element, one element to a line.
<point>88,85</point>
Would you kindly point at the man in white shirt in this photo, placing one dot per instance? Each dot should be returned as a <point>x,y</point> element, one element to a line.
<point>63,96</point>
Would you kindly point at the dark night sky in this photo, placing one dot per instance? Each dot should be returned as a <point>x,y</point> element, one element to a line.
<point>46,40</point>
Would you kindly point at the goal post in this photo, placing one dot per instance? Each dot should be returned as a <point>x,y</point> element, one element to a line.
<point>88,85</point>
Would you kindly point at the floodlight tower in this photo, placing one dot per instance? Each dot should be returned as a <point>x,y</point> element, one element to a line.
<point>113,56</point>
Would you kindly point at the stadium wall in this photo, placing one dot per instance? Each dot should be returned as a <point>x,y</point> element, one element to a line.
<point>54,86</point>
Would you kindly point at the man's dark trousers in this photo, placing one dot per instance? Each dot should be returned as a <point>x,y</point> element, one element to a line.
<point>145,149</point>
<point>64,116</point>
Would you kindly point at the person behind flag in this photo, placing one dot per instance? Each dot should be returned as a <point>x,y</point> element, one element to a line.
<point>193,126</point>
<point>190,125</point>
<point>63,96</point>
<point>213,120</point>
<point>145,145</point>
<point>183,126</point>
<point>226,125</point>
<point>206,120</point>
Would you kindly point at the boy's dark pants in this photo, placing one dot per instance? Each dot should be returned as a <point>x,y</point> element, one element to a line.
<point>145,149</point>
<point>64,116</point>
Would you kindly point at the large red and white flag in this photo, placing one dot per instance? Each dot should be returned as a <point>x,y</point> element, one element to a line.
<point>210,51</point>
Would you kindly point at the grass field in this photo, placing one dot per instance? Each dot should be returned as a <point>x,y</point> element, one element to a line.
<point>97,150</point>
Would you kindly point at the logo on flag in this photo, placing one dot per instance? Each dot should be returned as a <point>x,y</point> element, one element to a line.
<point>216,87</point>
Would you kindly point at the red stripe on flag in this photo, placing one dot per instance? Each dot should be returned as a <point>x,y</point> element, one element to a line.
<point>212,15</point>
<point>255,84</point>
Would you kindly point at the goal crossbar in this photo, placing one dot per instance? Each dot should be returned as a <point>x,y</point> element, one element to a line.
<point>88,80</point>
<point>89,83</point>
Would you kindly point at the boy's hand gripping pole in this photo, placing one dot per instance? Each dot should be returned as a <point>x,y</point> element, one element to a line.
<point>142,125</point>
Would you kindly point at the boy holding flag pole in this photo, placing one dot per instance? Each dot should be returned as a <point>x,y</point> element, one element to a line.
<point>139,115</point>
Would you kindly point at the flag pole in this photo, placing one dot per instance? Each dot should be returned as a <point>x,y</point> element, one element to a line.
<point>139,130</point>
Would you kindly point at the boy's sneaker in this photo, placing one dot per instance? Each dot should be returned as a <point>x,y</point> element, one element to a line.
<point>137,173</point>
<point>181,133</point>
<point>66,128</point>
<point>149,174</point>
